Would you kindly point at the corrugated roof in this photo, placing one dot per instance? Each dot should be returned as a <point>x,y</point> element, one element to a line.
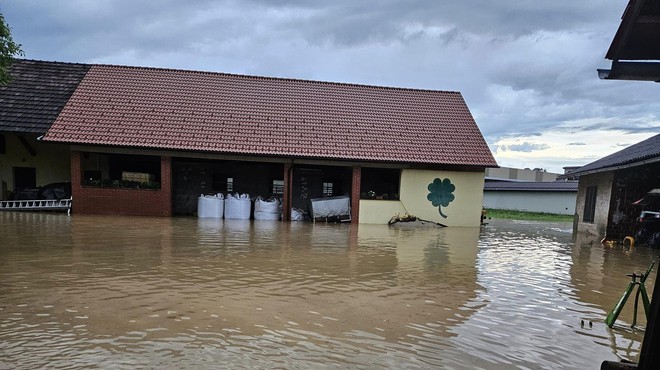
<point>550,186</point>
<point>37,93</point>
<point>637,154</point>
<point>216,112</point>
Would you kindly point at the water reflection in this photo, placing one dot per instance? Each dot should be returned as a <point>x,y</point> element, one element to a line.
<point>93,291</point>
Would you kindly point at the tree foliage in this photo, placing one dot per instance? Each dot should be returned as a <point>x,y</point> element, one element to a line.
<point>8,50</point>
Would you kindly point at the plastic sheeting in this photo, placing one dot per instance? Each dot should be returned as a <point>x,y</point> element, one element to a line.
<point>210,206</point>
<point>266,209</point>
<point>237,206</point>
<point>297,214</point>
<point>331,207</point>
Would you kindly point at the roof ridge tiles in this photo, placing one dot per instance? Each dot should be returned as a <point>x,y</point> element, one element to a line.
<point>273,78</point>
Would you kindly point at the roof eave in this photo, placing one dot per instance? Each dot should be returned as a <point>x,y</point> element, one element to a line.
<point>633,71</point>
<point>610,168</point>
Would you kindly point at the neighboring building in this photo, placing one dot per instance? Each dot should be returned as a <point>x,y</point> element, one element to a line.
<point>528,190</point>
<point>635,55</point>
<point>609,186</point>
<point>518,174</point>
<point>547,197</point>
<point>148,141</point>
<point>28,107</point>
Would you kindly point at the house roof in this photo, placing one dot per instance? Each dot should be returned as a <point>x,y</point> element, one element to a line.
<point>37,93</point>
<point>545,186</point>
<point>636,44</point>
<point>643,152</point>
<point>225,113</point>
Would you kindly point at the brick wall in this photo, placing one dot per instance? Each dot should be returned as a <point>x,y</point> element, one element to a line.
<point>355,194</point>
<point>110,201</point>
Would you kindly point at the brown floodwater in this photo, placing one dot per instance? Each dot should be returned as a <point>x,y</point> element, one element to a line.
<point>126,292</point>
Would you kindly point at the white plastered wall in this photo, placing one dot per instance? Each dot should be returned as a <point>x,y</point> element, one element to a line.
<point>464,210</point>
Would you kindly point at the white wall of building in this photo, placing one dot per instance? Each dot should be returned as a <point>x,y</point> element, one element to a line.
<point>532,201</point>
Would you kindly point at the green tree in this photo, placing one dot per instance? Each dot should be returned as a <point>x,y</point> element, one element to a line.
<point>8,50</point>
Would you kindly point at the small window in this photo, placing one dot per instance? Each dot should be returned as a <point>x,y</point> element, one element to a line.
<point>380,183</point>
<point>327,189</point>
<point>278,187</point>
<point>221,183</point>
<point>120,171</point>
<point>3,144</point>
<point>590,204</point>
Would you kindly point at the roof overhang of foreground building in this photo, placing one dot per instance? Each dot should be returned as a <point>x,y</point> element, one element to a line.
<point>636,45</point>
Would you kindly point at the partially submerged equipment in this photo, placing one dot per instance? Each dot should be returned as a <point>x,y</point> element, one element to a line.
<point>331,208</point>
<point>641,291</point>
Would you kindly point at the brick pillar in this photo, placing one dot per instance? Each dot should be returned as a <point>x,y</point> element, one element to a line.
<point>166,185</point>
<point>286,198</point>
<point>76,180</point>
<point>355,194</point>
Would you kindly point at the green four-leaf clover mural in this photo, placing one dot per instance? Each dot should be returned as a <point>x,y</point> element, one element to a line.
<point>440,194</point>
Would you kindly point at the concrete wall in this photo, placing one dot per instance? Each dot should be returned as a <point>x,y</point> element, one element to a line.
<point>464,210</point>
<point>51,162</point>
<point>603,194</point>
<point>379,211</point>
<point>532,201</point>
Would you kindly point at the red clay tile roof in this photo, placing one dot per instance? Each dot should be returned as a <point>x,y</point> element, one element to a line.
<point>215,112</point>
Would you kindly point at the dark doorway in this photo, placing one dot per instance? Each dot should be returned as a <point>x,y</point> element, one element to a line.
<point>25,178</point>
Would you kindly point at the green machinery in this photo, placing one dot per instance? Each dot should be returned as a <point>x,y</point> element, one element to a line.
<point>641,291</point>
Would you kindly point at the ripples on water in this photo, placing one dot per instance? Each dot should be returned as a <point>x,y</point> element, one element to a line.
<point>90,291</point>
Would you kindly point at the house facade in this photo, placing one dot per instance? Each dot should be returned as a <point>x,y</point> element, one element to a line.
<point>610,187</point>
<point>149,141</point>
<point>29,105</point>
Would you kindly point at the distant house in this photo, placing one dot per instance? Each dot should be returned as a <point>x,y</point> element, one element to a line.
<point>149,141</point>
<point>519,174</point>
<point>529,190</point>
<point>28,107</point>
<point>609,187</point>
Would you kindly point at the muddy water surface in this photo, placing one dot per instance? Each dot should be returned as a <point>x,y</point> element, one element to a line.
<point>114,292</point>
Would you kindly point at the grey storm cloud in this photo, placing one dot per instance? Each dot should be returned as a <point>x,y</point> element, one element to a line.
<point>523,67</point>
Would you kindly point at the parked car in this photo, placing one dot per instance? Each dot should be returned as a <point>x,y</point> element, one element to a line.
<point>56,190</point>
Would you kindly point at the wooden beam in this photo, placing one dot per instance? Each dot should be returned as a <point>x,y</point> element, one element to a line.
<point>27,145</point>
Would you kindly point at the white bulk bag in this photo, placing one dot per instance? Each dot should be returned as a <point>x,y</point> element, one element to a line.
<point>210,206</point>
<point>237,206</point>
<point>266,209</point>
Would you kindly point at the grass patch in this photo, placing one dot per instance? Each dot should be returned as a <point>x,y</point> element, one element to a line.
<point>527,216</point>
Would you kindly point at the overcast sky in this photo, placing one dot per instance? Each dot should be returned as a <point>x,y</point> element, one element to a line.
<point>526,68</point>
